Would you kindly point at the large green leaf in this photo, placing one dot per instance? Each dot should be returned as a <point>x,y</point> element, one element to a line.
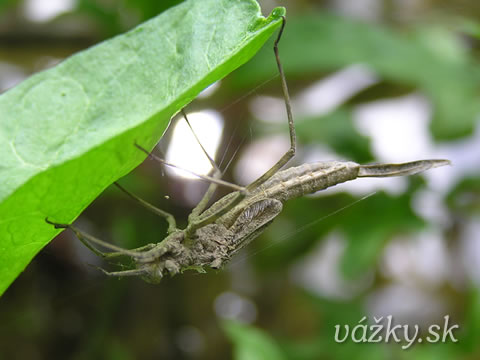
<point>69,132</point>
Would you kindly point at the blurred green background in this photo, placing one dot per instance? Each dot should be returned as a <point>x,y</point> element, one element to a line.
<point>371,80</point>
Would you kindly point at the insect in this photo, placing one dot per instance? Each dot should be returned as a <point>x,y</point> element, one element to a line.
<point>214,234</point>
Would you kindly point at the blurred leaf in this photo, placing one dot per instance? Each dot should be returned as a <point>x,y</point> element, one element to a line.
<point>302,223</point>
<point>148,8</point>
<point>471,328</point>
<point>68,133</point>
<point>117,350</point>
<point>471,27</point>
<point>316,43</point>
<point>465,197</point>
<point>337,312</point>
<point>251,343</point>
<point>107,17</point>
<point>336,130</point>
<point>371,226</point>
<point>4,4</point>
<point>332,313</point>
<point>307,220</point>
<point>324,348</point>
<point>116,17</point>
<point>441,351</point>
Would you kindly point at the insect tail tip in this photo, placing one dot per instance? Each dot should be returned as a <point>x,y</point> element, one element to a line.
<point>442,162</point>
<point>56,225</point>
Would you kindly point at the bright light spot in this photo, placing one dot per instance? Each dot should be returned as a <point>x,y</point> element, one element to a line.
<point>421,261</point>
<point>465,157</point>
<point>363,9</point>
<point>406,304</point>
<point>399,132</point>
<point>229,305</point>
<point>259,156</point>
<point>190,340</point>
<point>269,109</point>
<point>430,205</point>
<point>327,94</point>
<point>320,152</point>
<point>40,11</point>
<point>242,275</point>
<point>185,152</point>
<point>209,91</point>
<point>398,128</point>
<point>318,99</point>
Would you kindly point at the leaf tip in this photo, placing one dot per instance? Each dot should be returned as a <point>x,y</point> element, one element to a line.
<point>277,13</point>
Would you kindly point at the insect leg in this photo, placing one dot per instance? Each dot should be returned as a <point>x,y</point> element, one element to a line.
<point>133,272</point>
<point>204,177</point>
<point>291,127</point>
<point>172,225</point>
<point>195,223</point>
<point>88,239</point>
<point>202,205</point>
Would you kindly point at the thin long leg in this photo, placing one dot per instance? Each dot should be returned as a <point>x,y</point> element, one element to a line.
<point>291,127</point>
<point>193,225</point>
<point>194,222</point>
<point>172,225</point>
<point>202,205</point>
<point>198,222</point>
<point>133,272</point>
<point>205,177</point>
<point>87,239</point>
<point>212,162</point>
<point>211,189</point>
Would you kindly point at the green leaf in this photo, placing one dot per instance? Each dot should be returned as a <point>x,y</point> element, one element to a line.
<point>251,343</point>
<point>69,132</point>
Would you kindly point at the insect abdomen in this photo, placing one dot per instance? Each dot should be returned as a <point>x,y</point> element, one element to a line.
<point>307,178</point>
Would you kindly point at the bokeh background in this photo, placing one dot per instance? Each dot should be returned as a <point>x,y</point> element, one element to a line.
<point>371,80</point>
